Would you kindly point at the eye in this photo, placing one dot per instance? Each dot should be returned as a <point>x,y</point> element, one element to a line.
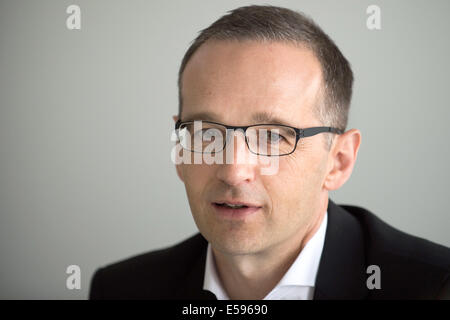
<point>210,133</point>
<point>274,137</point>
<point>207,133</point>
<point>199,134</point>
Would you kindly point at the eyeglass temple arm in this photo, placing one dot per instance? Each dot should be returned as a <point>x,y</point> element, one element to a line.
<point>316,130</point>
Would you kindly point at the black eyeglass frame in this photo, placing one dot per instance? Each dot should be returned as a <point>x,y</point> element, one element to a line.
<point>299,132</point>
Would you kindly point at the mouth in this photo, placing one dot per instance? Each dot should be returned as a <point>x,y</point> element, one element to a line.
<point>234,210</point>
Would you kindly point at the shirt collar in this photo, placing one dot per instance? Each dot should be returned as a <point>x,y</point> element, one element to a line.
<point>211,280</point>
<point>302,272</point>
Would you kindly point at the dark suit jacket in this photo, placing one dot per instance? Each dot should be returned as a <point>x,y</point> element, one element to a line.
<point>411,267</point>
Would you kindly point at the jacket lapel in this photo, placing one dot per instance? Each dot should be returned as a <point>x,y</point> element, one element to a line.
<point>192,287</point>
<point>342,273</point>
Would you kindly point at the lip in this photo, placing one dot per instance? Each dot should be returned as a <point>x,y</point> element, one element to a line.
<point>230,213</point>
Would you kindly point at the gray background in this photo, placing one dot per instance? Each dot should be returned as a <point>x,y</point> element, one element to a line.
<point>85,122</point>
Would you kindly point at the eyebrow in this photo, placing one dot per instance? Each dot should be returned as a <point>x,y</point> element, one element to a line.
<point>257,118</point>
<point>207,116</point>
<point>265,117</point>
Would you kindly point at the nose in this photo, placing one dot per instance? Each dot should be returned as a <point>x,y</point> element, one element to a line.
<point>240,164</point>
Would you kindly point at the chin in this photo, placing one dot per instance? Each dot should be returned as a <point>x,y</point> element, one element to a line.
<point>235,245</point>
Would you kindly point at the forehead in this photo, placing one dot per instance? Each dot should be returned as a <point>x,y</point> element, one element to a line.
<point>234,80</point>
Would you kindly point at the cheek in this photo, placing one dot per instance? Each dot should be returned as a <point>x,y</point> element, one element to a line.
<point>297,183</point>
<point>196,178</point>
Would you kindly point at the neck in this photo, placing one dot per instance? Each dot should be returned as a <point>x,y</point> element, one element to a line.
<point>253,276</point>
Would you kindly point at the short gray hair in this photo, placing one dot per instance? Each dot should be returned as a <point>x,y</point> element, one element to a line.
<point>270,23</point>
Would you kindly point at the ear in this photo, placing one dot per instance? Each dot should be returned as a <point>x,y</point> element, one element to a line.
<point>342,159</point>
<point>178,166</point>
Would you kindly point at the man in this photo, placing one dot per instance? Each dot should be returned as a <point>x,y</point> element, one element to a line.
<point>272,73</point>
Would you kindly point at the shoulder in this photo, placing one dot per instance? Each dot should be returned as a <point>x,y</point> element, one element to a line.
<point>149,275</point>
<point>384,238</point>
<point>407,263</point>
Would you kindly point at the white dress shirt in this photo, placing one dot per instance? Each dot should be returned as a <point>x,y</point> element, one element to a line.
<point>297,283</point>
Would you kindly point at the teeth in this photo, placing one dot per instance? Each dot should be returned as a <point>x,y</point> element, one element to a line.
<point>234,206</point>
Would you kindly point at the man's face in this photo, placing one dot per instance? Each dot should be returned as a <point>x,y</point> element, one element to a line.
<point>235,83</point>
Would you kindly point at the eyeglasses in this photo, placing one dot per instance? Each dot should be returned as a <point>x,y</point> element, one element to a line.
<point>261,139</point>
